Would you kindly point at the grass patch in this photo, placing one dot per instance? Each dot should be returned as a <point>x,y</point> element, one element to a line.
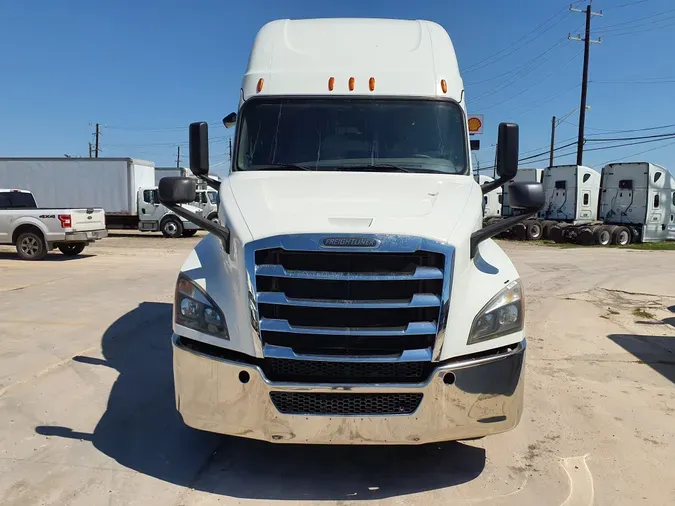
<point>562,245</point>
<point>641,313</point>
<point>651,246</point>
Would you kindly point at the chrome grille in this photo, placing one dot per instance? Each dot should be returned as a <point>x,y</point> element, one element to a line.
<point>349,302</point>
<point>291,370</point>
<point>307,403</point>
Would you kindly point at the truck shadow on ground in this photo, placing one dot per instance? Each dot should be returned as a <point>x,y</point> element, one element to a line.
<point>658,352</point>
<point>51,257</point>
<point>142,431</point>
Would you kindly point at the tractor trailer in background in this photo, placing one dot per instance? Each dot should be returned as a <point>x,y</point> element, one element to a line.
<point>636,204</point>
<point>124,187</point>
<point>492,202</point>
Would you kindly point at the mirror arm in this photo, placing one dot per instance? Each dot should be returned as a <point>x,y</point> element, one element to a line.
<point>493,185</point>
<point>216,229</point>
<point>210,182</point>
<point>496,228</point>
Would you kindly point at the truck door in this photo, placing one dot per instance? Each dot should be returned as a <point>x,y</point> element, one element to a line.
<point>585,208</point>
<point>151,209</point>
<point>655,227</point>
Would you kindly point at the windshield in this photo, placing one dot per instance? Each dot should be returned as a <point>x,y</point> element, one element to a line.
<point>9,200</point>
<point>214,198</point>
<point>352,134</point>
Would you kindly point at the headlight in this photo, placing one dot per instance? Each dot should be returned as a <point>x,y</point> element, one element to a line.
<point>196,310</point>
<point>502,315</point>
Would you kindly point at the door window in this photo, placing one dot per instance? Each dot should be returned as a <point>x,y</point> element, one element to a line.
<point>656,201</point>
<point>151,196</point>
<point>587,198</point>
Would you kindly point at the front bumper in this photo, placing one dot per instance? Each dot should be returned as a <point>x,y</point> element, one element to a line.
<point>89,236</point>
<point>486,398</point>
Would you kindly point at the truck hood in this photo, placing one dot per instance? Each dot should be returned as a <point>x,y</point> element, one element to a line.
<point>424,205</point>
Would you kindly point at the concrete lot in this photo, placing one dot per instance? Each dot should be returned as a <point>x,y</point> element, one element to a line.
<point>87,414</point>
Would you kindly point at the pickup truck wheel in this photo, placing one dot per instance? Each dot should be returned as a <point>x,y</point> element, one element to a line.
<point>71,250</point>
<point>189,233</point>
<point>31,246</point>
<point>172,227</point>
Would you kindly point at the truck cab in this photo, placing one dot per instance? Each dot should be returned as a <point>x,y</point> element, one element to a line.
<point>350,292</point>
<point>154,216</point>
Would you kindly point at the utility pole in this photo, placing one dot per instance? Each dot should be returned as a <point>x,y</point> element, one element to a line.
<point>89,149</point>
<point>550,159</point>
<point>584,83</point>
<point>178,157</point>
<point>98,133</point>
<point>230,144</point>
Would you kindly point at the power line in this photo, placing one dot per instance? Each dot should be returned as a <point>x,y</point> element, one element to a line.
<point>636,154</point>
<point>629,4</point>
<point>663,80</point>
<point>625,131</point>
<point>522,41</point>
<point>632,138</point>
<point>611,28</point>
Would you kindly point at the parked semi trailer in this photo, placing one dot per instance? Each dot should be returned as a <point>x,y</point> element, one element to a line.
<point>637,204</point>
<point>350,293</point>
<point>124,187</point>
<point>572,196</point>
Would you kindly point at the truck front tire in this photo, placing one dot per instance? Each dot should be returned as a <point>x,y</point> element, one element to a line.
<point>31,246</point>
<point>71,250</point>
<point>171,227</point>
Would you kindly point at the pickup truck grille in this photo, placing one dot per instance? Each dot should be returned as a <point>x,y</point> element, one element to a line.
<point>307,403</point>
<point>349,303</point>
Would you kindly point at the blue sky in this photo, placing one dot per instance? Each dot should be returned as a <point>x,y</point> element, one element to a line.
<point>145,69</point>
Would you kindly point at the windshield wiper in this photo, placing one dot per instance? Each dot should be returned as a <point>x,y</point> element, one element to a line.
<point>377,167</point>
<point>284,166</point>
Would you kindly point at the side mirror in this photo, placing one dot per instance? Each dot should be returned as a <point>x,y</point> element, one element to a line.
<point>199,148</point>
<point>507,151</point>
<point>526,196</point>
<point>177,190</point>
<point>230,120</point>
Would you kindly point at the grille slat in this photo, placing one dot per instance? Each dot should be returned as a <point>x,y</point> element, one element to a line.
<point>412,329</point>
<point>351,302</point>
<point>416,301</point>
<point>307,403</point>
<point>278,271</point>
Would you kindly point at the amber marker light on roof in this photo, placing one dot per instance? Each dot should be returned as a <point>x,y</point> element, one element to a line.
<point>444,86</point>
<point>351,84</point>
<point>371,84</point>
<point>331,83</point>
<point>261,81</point>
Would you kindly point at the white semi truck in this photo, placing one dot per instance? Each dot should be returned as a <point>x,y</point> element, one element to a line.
<point>124,187</point>
<point>636,204</point>
<point>492,202</point>
<point>350,292</point>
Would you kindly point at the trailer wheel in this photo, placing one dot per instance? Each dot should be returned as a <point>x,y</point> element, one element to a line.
<point>603,236</point>
<point>71,250</point>
<point>31,246</point>
<point>189,233</point>
<point>533,230</point>
<point>519,231</point>
<point>586,237</point>
<point>556,234</point>
<point>621,236</point>
<point>546,227</point>
<point>171,227</point>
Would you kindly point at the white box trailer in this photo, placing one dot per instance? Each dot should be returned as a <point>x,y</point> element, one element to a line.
<point>124,187</point>
<point>636,204</point>
<point>110,183</point>
<point>161,172</point>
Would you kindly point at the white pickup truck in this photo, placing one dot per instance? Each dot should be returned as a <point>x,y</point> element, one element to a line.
<point>35,231</point>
